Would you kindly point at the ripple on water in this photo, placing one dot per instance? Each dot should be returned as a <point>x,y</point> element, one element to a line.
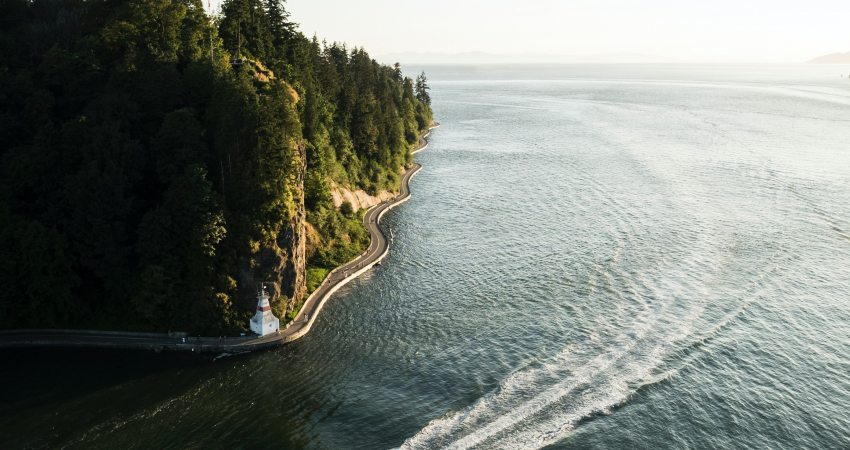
<point>652,257</point>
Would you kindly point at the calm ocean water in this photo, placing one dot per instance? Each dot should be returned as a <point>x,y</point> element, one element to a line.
<point>594,257</point>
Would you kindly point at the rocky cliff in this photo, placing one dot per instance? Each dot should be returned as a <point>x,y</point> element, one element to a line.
<point>281,266</point>
<point>359,198</point>
<point>292,275</point>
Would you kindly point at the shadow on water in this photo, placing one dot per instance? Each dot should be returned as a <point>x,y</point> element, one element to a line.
<point>35,377</point>
<point>110,398</point>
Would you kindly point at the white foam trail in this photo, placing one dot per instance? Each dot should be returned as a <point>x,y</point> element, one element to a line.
<point>538,406</point>
<point>617,387</point>
<point>446,427</point>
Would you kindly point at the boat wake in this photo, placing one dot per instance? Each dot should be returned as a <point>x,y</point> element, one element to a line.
<point>528,412</point>
<point>542,402</point>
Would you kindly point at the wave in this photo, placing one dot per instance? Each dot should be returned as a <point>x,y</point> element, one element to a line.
<point>542,402</point>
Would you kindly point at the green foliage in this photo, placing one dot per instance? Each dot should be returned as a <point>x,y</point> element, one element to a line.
<point>291,315</point>
<point>36,275</point>
<point>346,209</point>
<point>315,276</point>
<point>422,89</point>
<point>347,237</point>
<point>139,167</point>
<point>360,117</point>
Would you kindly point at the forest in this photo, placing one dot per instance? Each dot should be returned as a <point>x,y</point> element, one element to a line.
<point>158,163</point>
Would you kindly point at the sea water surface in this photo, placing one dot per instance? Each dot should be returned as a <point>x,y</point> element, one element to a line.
<point>595,256</point>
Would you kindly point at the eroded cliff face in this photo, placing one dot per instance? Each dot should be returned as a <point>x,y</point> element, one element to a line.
<point>281,266</point>
<point>359,198</point>
<point>293,239</point>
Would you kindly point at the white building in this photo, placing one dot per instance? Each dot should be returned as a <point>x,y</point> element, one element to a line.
<point>264,322</point>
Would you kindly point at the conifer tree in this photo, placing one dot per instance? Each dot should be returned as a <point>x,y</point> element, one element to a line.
<point>422,89</point>
<point>280,26</point>
<point>137,159</point>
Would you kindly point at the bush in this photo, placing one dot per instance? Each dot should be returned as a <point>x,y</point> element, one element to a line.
<point>346,209</point>
<point>291,315</point>
<point>315,277</point>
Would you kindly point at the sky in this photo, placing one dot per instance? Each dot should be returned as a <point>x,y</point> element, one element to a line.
<point>690,31</point>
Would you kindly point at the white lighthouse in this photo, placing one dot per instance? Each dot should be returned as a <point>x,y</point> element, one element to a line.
<point>264,322</point>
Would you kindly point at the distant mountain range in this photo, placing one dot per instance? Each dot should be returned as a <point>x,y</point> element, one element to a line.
<point>514,58</point>
<point>832,58</point>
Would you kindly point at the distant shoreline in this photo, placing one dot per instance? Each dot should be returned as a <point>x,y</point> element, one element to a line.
<point>832,58</point>
<point>519,58</point>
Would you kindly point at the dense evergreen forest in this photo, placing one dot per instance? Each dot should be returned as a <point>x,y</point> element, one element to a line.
<point>159,163</point>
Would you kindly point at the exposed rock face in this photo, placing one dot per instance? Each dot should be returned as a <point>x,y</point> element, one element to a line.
<point>359,198</point>
<point>281,266</point>
<point>314,241</point>
<point>293,239</point>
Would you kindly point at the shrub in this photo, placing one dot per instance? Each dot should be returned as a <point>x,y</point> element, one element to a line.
<point>315,276</point>
<point>346,209</point>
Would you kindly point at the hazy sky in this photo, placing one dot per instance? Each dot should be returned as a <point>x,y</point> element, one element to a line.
<point>700,31</point>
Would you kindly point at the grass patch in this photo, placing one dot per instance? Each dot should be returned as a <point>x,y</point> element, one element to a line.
<point>315,276</point>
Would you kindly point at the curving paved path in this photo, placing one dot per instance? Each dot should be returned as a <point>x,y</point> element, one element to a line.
<point>378,249</point>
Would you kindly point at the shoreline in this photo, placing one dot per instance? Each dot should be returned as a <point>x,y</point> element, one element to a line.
<point>295,329</point>
<point>423,144</point>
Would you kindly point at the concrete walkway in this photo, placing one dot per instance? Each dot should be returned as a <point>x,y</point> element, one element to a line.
<point>298,327</point>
